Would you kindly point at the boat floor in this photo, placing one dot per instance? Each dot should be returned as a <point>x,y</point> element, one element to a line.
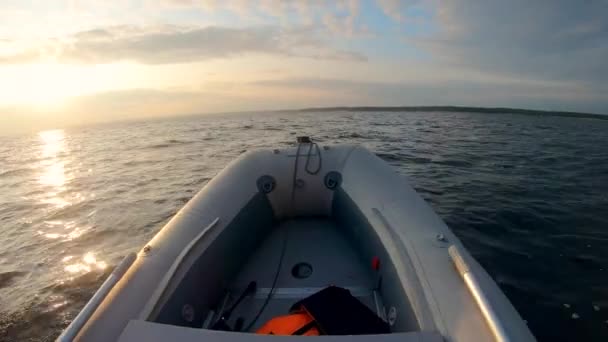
<point>317,242</point>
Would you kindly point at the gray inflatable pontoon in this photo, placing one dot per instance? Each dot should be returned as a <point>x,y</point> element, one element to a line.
<point>295,221</point>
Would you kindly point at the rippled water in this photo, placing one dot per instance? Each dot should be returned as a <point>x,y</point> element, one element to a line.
<point>527,195</point>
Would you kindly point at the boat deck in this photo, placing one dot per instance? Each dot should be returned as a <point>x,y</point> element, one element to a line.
<point>315,241</point>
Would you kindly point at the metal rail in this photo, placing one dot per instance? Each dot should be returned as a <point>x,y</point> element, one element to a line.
<point>481,299</point>
<point>74,328</point>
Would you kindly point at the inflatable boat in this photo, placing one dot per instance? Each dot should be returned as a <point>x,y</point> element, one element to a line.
<point>330,236</point>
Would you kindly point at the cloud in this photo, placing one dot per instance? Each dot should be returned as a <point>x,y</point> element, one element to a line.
<point>396,8</point>
<point>339,17</point>
<point>346,22</point>
<point>551,40</point>
<point>168,44</point>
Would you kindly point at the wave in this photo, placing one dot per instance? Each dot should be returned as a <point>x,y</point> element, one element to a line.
<point>391,124</point>
<point>141,162</point>
<point>389,156</point>
<point>70,211</point>
<point>353,135</point>
<point>168,143</point>
<point>7,278</point>
<point>454,163</point>
<point>15,172</point>
<point>396,157</point>
<point>53,311</point>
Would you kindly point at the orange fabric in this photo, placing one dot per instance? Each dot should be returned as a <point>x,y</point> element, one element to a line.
<point>288,325</point>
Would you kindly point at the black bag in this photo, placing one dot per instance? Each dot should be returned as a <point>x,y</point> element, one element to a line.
<point>337,312</point>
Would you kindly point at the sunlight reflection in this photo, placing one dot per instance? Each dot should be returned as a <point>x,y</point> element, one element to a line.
<point>53,167</point>
<point>60,304</point>
<point>54,175</point>
<point>88,263</point>
<point>50,235</point>
<point>71,230</point>
<point>55,302</point>
<point>53,142</point>
<point>56,201</point>
<point>67,258</point>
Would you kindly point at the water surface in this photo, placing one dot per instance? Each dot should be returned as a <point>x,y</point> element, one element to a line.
<point>528,195</point>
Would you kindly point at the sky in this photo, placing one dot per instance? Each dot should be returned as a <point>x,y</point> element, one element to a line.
<point>65,62</point>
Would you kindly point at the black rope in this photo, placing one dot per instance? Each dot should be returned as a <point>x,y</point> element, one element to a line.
<point>274,284</point>
<point>308,159</point>
<point>293,192</point>
<point>295,179</point>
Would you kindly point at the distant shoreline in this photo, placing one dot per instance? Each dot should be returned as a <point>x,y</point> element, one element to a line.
<point>453,109</point>
<point>446,109</point>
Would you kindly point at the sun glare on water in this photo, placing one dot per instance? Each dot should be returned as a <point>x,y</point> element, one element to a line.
<point>53,166</point>
<point>88,263</point>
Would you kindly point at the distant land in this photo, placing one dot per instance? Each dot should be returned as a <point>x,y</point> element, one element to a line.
<point>491,110</point>
<point>30,127</point>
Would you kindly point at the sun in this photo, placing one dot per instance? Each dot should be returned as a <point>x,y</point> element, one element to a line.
<point>48,85</point>
<point>42,85</point>
<point>36,85</point>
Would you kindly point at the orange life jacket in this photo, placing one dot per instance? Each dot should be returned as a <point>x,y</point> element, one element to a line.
<point>298,323</point>
<point>331,311</point>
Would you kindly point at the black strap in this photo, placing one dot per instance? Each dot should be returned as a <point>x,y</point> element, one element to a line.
<point>304,328</point>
